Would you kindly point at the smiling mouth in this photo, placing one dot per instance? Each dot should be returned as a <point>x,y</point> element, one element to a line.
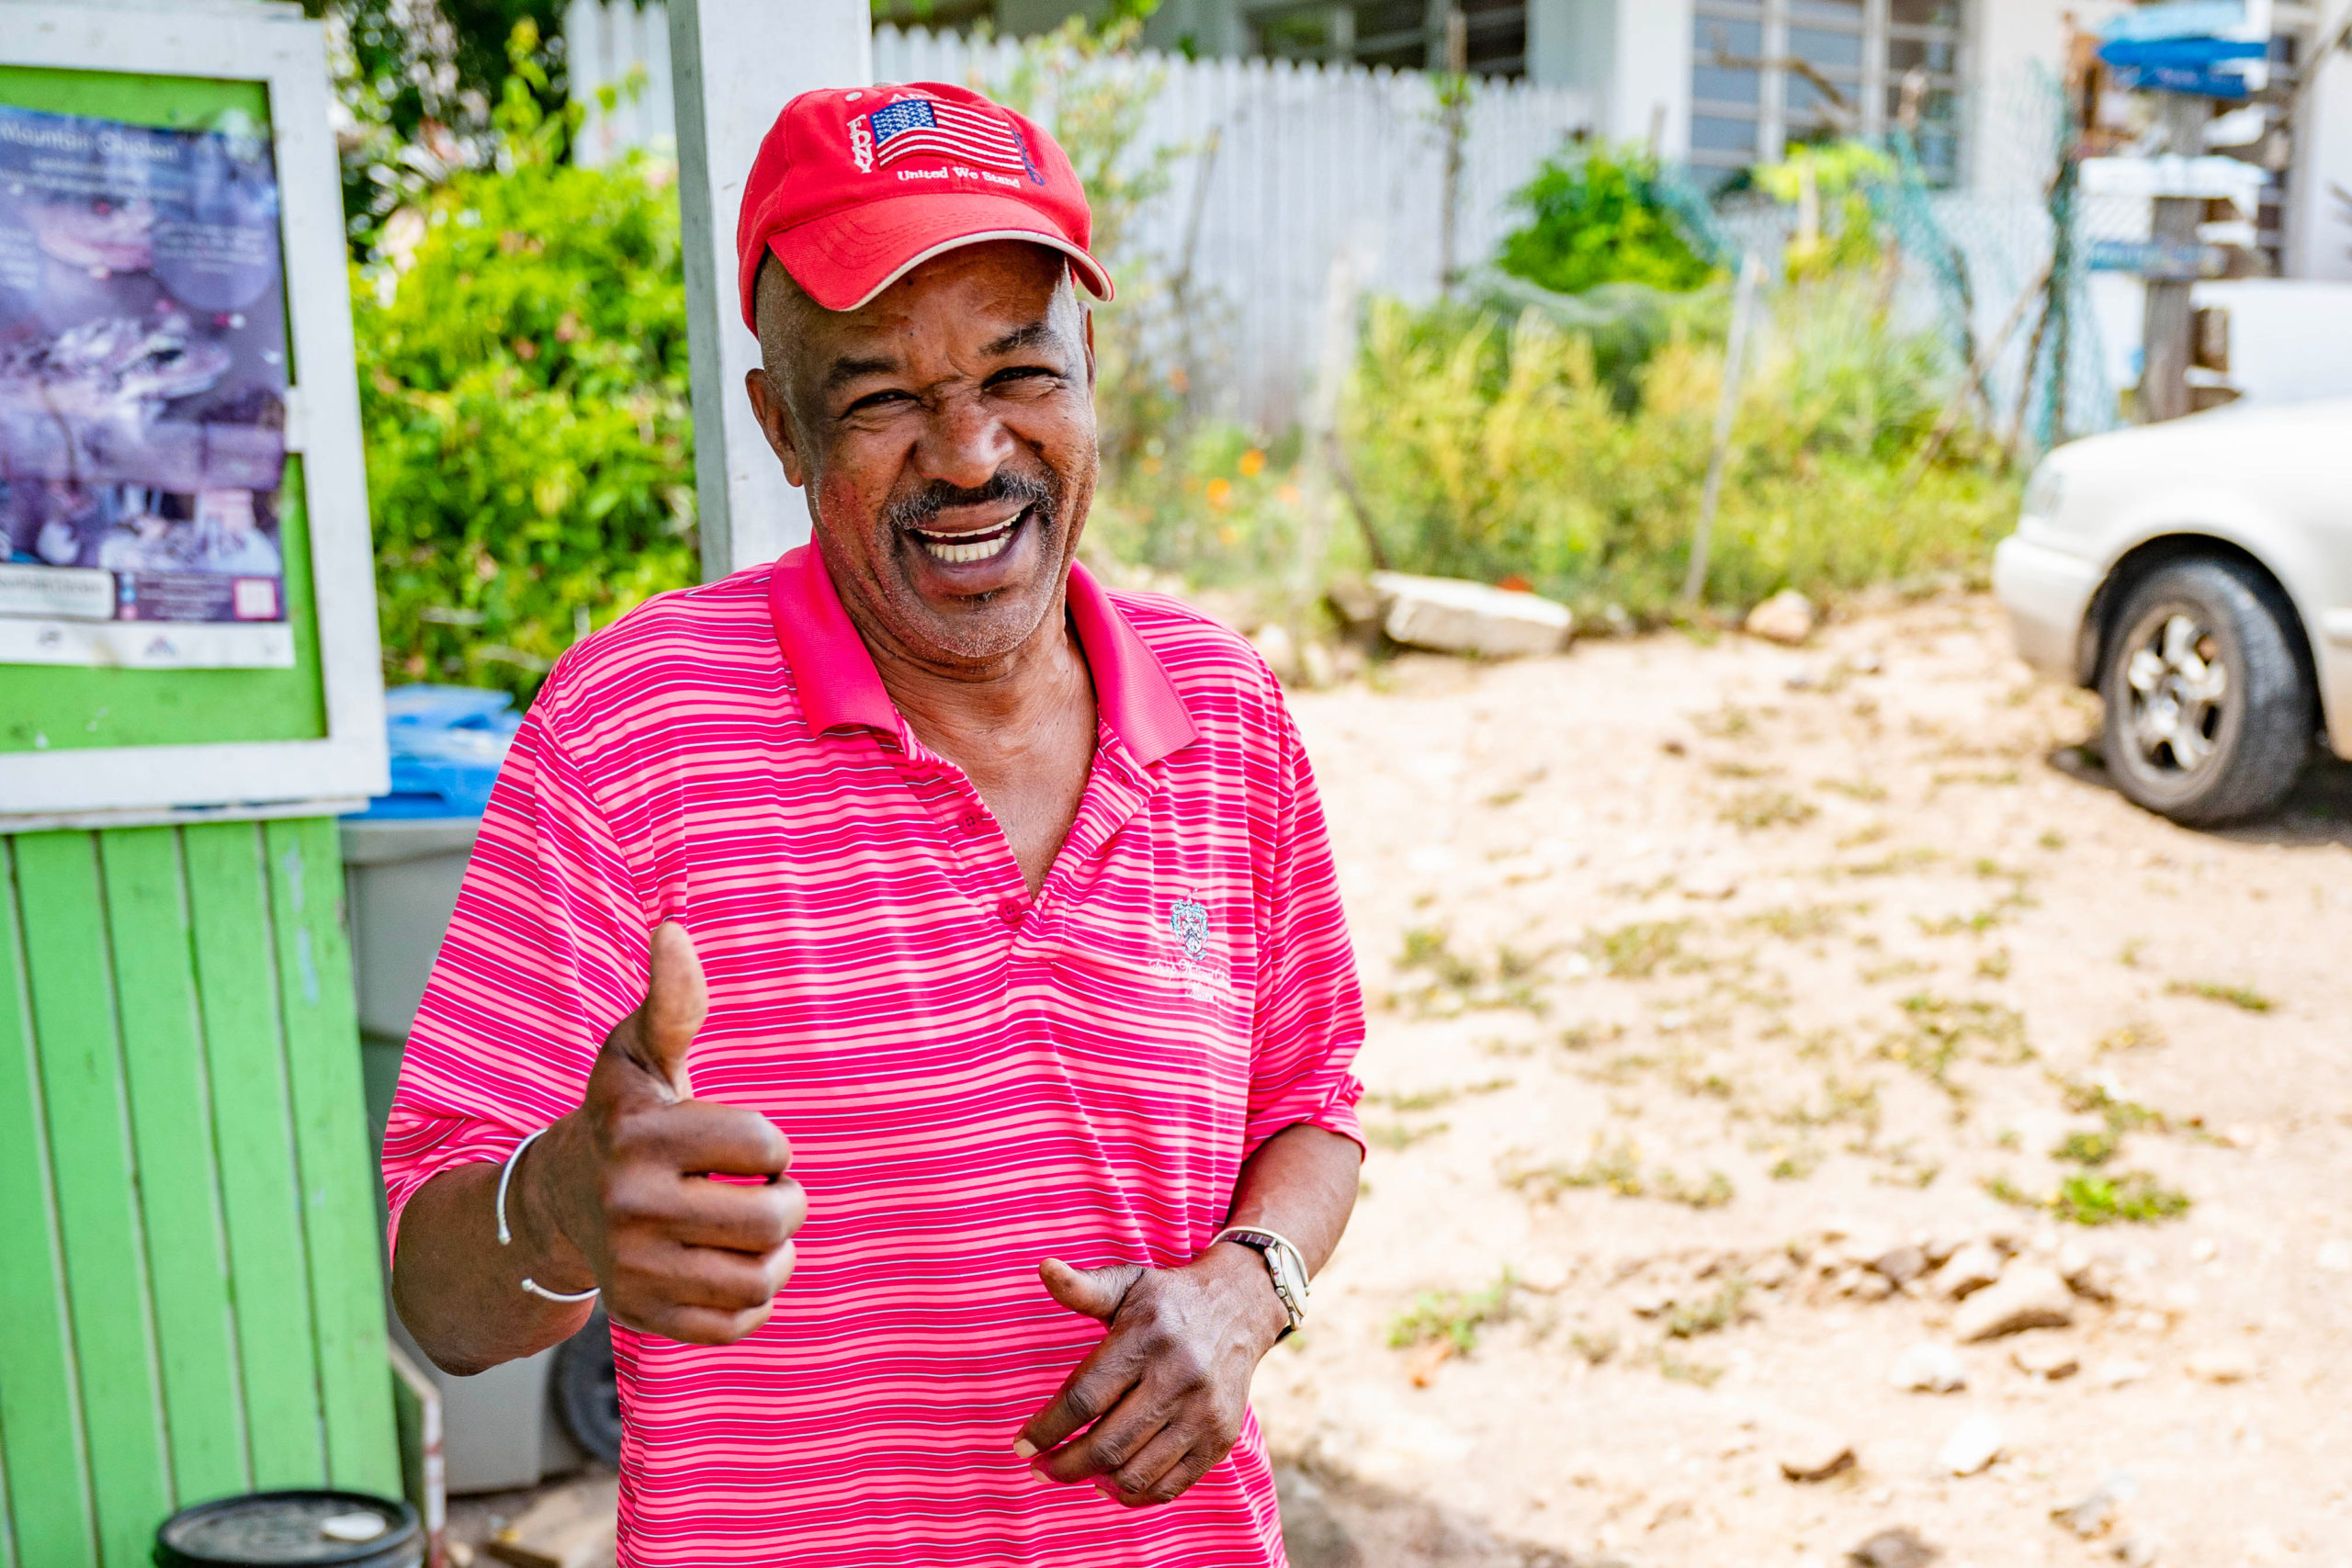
<point>966,549</point>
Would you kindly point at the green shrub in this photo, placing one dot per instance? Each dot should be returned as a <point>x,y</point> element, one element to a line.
<point>1594,217</point>
<point>523,386</point>
<point>1490,448</point>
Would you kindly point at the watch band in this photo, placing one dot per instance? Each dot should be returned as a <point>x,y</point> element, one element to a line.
<point>1286,1264</point>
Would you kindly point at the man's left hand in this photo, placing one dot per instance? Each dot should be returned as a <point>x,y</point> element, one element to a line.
<point>1163,1398</point>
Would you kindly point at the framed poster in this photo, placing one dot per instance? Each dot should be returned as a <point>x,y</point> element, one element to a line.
<point>186,596</point>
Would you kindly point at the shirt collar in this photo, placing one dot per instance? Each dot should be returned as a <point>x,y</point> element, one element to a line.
<point>838,684</point>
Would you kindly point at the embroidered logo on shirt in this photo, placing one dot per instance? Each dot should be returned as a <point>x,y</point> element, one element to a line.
<point>1190,921</point>
<point>1196,972</point>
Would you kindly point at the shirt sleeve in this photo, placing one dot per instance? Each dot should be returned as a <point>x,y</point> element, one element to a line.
<point>1310,1010</point>
<point>546,952</point>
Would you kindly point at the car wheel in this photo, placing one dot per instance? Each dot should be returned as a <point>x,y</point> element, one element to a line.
<point>587,1393</point>
<point>2209,715</point>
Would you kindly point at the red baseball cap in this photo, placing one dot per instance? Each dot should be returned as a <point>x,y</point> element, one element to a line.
<point>854,185</point>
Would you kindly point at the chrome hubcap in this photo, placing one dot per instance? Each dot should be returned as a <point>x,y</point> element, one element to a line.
<point>2178,685</point>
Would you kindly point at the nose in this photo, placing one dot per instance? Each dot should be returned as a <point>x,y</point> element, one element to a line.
<point>963,443</point>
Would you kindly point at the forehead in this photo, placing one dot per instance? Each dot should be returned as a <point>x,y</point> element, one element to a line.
<point>976,298</point>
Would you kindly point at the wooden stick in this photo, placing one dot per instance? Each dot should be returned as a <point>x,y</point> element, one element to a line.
<point>1751,275</point>
<point>1973,383</point>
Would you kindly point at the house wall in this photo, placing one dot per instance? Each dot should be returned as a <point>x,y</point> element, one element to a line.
<point>2319,224</point>
<point>1632,57</point>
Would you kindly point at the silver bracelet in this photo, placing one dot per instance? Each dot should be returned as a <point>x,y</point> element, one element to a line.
<point>506,1238</point>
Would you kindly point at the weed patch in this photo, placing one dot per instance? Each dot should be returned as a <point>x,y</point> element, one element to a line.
<point>2089,1198</point>
<point>1804,923</point>
<point>2243,998</point>
<point>2132,1034</point>
<point>1453,1317</point>
<point>1755,809</point>
<point>1618,1168</point>
<point>1941,1031</point>
<point>1636,952</point>
<point>1432,1098</point>
<point>1713,1315</point>
<point>1402,1134</point>
<point>1451,980</point>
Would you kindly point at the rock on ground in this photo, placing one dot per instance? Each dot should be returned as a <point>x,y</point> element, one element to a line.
<point>1814,1453</point>
<point>2039,1356</point>
<point>1787,616</point>
<point>1897,1548</point>
<point>1455,616</point>
<point>1968,1270</point>
<point>2097,1510</point>
<point>2226,1363</point>
<point>1901,1264</point>
<point>1929,1369</point>
<point>1973,1445</point>
<point>2028,1296</point>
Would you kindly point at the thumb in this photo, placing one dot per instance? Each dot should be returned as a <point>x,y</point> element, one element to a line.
<point>677,999</point>
<point>1096,1293</point>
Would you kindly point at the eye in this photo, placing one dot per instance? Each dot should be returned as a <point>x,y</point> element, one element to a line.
<point>1025,377</point>
<point>887,398</point>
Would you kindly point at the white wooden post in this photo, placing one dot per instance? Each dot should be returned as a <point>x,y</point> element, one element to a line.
<point>733,65</point>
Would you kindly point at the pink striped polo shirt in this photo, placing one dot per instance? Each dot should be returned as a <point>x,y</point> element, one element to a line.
<point>972,1080</point>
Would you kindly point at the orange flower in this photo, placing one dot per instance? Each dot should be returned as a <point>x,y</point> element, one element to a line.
<point>1220,493</point>
<point>1253,462</point>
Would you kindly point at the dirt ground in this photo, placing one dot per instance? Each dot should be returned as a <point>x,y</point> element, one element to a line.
<point>1702,978</point>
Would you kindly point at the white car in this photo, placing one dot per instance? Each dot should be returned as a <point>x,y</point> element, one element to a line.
<point>2198,574</point>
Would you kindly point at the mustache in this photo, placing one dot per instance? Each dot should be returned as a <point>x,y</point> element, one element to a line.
<point>922,508</point>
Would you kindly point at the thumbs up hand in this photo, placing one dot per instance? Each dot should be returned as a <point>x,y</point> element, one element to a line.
<point>1163,1398</point>
<point>619,1194</point>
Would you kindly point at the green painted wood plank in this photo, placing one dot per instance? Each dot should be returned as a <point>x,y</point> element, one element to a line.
<point>7,1529</point>
<point>81,1088</point>
<point>40,1418</point>
<point>331,1136</point>
<point>163,1057</point>
<point>253,1130</point>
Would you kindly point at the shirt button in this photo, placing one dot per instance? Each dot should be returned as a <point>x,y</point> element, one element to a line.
<point>1009,911</point>
<point>971,821</point>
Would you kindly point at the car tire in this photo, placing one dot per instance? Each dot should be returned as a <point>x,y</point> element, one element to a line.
<point>587,1392</point>
<point>2209,711</point>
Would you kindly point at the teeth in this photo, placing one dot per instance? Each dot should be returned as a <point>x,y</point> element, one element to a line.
<point>969,549</point>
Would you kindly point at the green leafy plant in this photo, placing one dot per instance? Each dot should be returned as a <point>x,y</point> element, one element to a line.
<point>1830,184</point>
<point>1594,217</point>
<point>2135,1198</point>
<point>1491,446</point>
<point>523,387</point>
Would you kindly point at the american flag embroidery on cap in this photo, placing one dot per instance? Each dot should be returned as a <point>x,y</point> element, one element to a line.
<point>910,127</point>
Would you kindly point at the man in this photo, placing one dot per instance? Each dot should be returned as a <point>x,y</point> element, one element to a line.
<point>1004,898</point>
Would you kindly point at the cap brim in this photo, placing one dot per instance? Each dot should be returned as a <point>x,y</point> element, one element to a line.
<point>845,259</point>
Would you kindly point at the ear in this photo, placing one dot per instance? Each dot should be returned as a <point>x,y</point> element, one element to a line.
<point>1086,318</point>
<point>775,421</point>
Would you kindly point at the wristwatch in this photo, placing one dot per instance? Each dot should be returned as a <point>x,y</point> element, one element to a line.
<point>1283,1263</point>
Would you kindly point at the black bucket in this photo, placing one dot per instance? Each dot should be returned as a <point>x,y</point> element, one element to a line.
<point>315,1530</point>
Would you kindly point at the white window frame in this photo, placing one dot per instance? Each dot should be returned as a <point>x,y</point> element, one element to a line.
<point>117,785</point>
<point>1878,32</point>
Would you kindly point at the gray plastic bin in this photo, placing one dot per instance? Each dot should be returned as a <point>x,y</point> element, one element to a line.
<point>401,876</point>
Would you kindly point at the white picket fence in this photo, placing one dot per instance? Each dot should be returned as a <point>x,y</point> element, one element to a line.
<point>1285,166</point>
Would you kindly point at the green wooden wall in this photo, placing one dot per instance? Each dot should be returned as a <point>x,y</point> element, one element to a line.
<point>190,1300</point>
